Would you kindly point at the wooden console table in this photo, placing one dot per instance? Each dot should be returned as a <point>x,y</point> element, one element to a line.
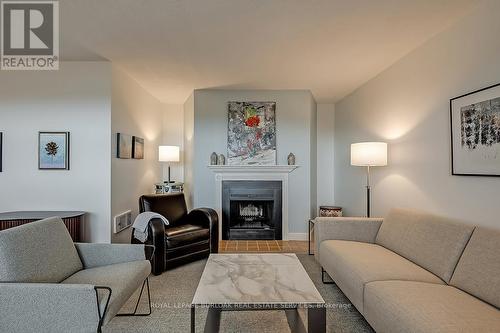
<point>72,220</point>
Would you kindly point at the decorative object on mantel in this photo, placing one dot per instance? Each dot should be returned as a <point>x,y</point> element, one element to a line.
<point>137,148</point>
<point>72,220</point>
<point>123,145</point>
<point>251,133</point>
<point>475,133</point>
<point>221,160</point>
<point>53,150</point>
<point>368,154</point>
<point>291,159</point>
<point>330,211</point>
<point>213,158</point>
<point>169,154</point>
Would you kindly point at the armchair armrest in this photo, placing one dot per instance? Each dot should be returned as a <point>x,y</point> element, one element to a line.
<point>208,218</point>
<point>359,229</point>
<point>48,307</point>
<point>95,255</point>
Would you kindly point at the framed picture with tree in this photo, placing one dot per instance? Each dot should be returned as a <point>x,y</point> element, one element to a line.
<point>53,150</point>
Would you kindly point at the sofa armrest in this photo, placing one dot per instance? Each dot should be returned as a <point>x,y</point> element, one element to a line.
<point>95,255</point>
<point>359,229</point>
<point>208,218</point>
<point>48,307</point>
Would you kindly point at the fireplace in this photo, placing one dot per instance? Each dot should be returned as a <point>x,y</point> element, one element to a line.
<point>251,209</point>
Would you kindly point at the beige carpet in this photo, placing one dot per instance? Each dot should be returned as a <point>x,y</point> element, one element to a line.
<point>171,295</point>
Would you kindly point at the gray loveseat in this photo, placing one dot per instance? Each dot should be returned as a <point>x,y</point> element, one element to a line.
<point>414,272</point>
<point>50,284</point>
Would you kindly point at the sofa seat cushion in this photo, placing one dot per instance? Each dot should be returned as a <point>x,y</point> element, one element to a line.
<point>353,264</point>
<point>406,306</point>
<point>186,234</point>
<point>123,279</point>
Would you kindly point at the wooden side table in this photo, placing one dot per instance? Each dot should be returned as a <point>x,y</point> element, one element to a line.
<point>324,211</point>
<point>72,220</point>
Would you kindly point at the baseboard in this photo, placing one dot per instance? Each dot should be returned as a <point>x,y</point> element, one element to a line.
<point>303,236</point>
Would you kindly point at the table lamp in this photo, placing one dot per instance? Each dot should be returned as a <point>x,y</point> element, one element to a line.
<point>368,154</point>
<point>168,154</point>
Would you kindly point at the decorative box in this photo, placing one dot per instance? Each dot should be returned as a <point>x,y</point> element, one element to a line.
<point>330,211</point>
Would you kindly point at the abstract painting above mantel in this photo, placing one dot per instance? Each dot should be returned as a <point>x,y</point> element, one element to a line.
<point>251,133</point>
<point>475,133</point>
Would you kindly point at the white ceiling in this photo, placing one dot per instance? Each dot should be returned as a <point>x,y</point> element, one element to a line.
<point>328,46</point>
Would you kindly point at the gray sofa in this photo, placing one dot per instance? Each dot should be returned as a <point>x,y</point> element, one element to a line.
<point>50,284</point>
<point>414,272</point>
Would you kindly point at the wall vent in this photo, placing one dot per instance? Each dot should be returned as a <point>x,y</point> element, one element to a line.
<point>123,221</point>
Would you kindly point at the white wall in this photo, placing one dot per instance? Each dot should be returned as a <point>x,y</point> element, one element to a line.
<point>295,126</point>
<point>408,106</point>
<point>189,150</point>
<point>173,135</point>
<point>134,112</point>
<point>325,156</point>
<point>75,98</point>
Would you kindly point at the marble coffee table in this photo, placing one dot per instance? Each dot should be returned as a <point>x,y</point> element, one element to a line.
<point>232,282</point>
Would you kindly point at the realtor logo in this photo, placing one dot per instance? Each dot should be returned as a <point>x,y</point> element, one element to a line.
<point>30,35</point>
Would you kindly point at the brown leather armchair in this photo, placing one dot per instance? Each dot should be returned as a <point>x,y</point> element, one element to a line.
<point>188,237</point>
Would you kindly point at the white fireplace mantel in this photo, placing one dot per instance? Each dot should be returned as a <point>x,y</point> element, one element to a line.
<point>250,172</point>
<point>253,168</point>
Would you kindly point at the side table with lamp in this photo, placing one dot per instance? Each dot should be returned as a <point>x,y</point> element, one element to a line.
<point>169,154</point>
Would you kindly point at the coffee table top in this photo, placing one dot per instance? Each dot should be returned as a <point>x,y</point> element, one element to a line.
<point>257,279</point>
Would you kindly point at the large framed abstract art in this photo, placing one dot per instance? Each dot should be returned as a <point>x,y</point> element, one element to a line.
<point>475,133</point>
<point>251,133</point>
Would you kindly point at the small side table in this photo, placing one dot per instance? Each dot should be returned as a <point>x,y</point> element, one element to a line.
<point>311,229</point>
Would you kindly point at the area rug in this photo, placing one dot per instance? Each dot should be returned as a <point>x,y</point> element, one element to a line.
<point>171,295</point>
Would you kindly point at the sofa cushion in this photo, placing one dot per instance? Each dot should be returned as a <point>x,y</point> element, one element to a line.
<point>186,234</point>
<point>406,306</point>
<point>353,264</point>
<point>123,279</point>
<point>41,251</point>
<point>478,271</point>
<point>430,241</point>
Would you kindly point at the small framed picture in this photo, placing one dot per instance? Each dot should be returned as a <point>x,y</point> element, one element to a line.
<point>137,148</point>
<point>475,133</point>
<point>53,150</point>
<point>123,145</point>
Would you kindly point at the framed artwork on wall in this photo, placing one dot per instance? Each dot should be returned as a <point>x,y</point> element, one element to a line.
<point>123,145</point>
<point>475,133</point>
<point>53,150</point>
<point>251,133</point>
<point>137,148</point>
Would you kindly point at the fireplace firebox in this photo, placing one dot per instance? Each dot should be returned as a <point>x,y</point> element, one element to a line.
<point>251,210</point>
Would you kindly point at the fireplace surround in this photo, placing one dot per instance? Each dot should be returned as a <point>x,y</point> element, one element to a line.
<point>279,173</point>
<point>252,209</point>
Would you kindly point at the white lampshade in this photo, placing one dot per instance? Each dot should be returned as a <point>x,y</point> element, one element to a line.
<point>369,154</point>
<point>168,154</point>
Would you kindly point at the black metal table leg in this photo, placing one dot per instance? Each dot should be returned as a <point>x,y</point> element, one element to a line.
<point>212,324</point>
<point>193,318</point>
<point>316,319</point>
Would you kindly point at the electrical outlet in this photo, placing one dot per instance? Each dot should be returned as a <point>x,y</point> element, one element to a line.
<point>123,221</point>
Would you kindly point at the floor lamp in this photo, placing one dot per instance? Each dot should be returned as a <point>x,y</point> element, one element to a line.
<point>368,154</point>
<point>168,154</point>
